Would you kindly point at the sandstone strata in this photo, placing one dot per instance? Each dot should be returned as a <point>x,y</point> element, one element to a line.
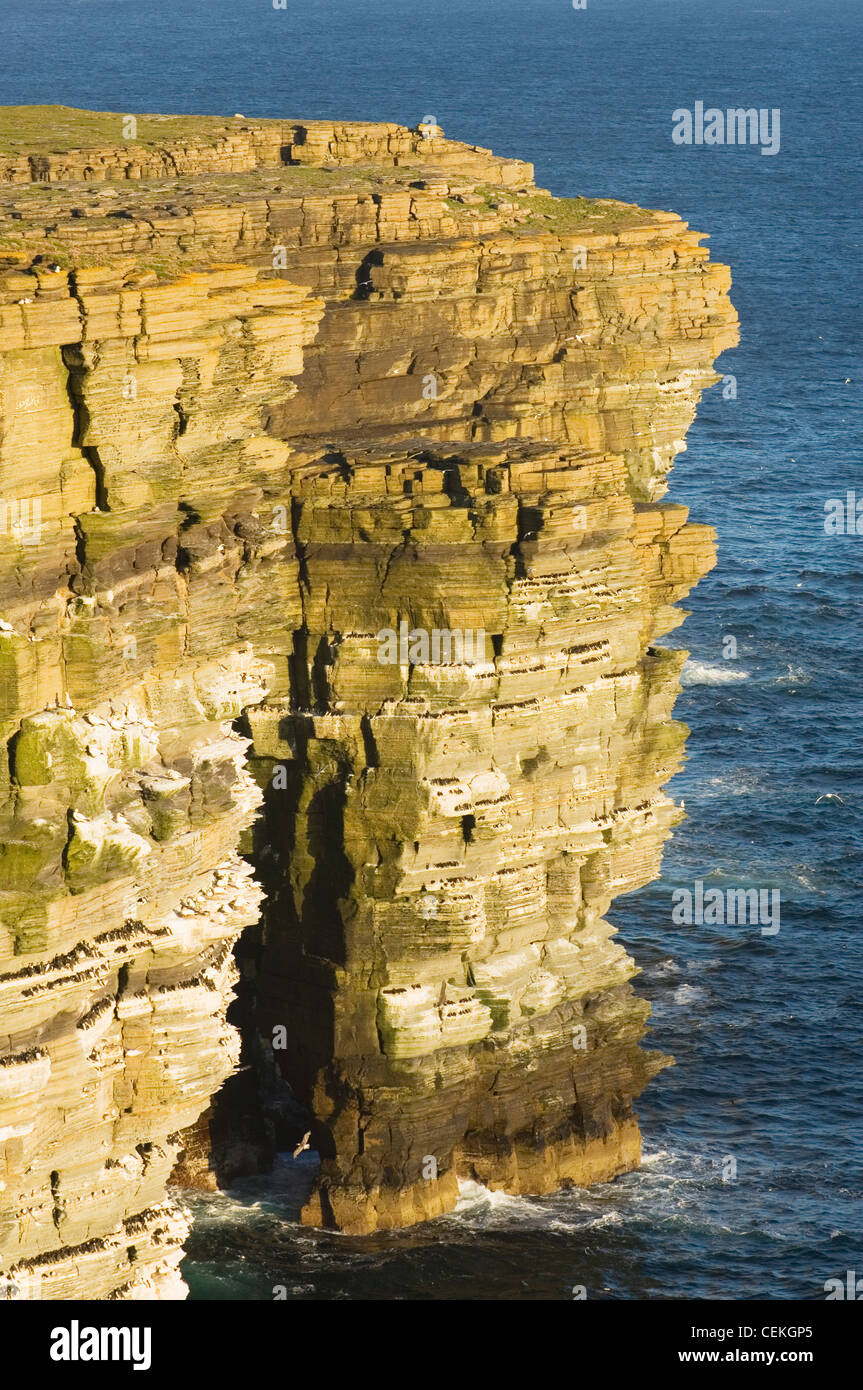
<point>267,389</point>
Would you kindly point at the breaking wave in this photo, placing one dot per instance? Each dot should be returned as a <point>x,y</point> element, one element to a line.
<point>703,673</point>
<point>792,676</point>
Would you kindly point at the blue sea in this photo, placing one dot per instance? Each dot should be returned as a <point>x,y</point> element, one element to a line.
<point>752,1186</point>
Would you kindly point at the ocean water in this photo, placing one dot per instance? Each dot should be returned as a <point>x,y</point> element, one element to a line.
<point>766,1029</point>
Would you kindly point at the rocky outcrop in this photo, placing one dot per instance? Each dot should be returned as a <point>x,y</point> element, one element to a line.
<point>332,567</point>
<point>448,835</point>
<point>37,145</point>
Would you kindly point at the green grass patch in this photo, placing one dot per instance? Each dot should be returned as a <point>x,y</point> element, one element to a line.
<point>56,129</point>
<point>587,214</point>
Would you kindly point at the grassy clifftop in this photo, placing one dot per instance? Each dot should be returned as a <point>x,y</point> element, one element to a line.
<point>57,129</point>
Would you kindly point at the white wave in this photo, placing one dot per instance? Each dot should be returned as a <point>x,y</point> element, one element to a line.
<point>688,994</point>
<point>805,880</point>
<point>579,1222</point>
<point>703,673</point>
<point>662,967</point>
<point>740,782</point>
<point>651,1156</point>
<point>474,1197</point>
<point>792,676</point>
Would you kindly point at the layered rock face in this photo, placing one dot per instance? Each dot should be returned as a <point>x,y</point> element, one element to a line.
<point>448,834</point>
<point>332,564</point>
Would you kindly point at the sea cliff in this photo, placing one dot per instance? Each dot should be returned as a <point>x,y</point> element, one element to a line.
<point>270,389</point>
